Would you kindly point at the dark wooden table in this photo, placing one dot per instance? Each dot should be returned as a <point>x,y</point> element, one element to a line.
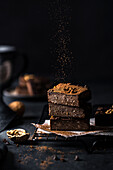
<point>40,156</point>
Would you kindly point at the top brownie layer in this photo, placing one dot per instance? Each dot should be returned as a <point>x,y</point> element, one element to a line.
<point>67,94</point>
<point>69,89</point>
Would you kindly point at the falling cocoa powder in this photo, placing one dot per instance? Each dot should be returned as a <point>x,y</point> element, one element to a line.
<point>60,17</point>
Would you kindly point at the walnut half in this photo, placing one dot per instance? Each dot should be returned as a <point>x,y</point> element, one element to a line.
<point>18,135</point>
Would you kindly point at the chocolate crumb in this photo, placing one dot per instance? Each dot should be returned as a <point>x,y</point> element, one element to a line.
<point>55,157</point>
<point>31,146</point>
<point>20,155</point>
<point>56,138</point>
<point>42,161</point>
<point>62,159</point>
<point>17,145</point>
<point>6,142</point>
<point>77,158</point>
<point>62,156</point>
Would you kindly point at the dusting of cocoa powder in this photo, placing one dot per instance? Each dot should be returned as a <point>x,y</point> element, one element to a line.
<point>45,163</point>
<point>61,38</point>
<point>25,159</point>
<point>45,148</point>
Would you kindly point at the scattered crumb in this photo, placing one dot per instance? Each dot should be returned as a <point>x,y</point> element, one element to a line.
<point>20,155</point>
<point>60,152</point>
<point>44,164</point>
<point>31,146</point>
<point>41,148</point>
<point>26,159</point>
<point>62,156</point>
<point>51,149</point>
<point>62,159</point>
<point>45,148</point>
<point>6,142</point>
<point>56,138</point>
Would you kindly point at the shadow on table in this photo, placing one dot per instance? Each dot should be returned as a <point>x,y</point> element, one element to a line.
<point>8,162</point>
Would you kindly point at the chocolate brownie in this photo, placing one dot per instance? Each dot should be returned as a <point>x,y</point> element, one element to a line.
<point>29,90</point>
<point>31,87</point>
<point>40,82</point>
<point>69,124</point>
<point>21,90</point>
<point>25,78</point>
<point>34,89</point>
<point>30,84</point>
<point>67,94</point>
<point>104,116</point>
<point>69,111</point>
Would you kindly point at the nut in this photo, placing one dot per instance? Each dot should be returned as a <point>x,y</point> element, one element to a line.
<point>17,107</point>
<point>29,77</point>
<point>109,111</point>
<point>18,135</point>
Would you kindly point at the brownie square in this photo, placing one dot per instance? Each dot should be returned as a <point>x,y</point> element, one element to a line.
<point>104,116</point>
<point>68,124</point>
<point>67,94</point>
<point>69,111</point>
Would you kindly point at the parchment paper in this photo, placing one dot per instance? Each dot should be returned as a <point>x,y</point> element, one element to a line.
<point>45,128</point>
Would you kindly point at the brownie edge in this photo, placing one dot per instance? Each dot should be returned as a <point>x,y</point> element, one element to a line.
<point>70,111</point>
<point>63,124</point>
<point>76,96</point>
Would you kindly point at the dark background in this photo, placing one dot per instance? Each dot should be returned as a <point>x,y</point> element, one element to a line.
<point>93,38</point>
<point>27,25</point>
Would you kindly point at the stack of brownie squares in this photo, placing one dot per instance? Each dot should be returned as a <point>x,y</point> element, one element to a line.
<point>68,107</point>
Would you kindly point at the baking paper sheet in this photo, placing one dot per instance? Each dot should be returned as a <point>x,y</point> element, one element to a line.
<point>45,128</point>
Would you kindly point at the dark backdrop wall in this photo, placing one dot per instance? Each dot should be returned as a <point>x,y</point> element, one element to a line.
<point>93,38</point>
<point>24,24</point>
<point>27,25</point>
